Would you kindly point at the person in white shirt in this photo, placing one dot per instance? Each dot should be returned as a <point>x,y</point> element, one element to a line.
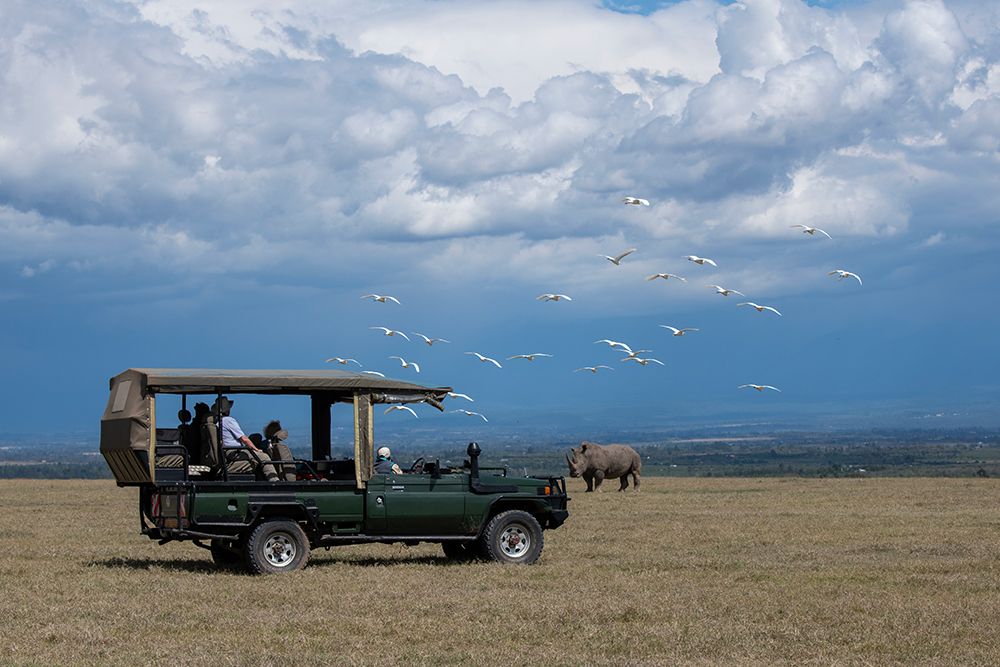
<point>233,440</point>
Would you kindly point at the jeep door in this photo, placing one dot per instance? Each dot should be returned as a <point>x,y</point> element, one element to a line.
<point>423,504</point>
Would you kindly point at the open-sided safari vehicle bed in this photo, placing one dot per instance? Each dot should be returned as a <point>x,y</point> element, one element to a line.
<point>191,488</point>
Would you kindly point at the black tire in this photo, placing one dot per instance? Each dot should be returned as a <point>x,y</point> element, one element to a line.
<point>276,546</point>
<point>460,551</point>
<point>225,555</point>
<point>513,537</point>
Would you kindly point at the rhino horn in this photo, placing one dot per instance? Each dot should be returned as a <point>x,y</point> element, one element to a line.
<point>569,460</point>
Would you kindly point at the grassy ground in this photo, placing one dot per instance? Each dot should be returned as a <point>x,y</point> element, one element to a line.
<point>692,571</point>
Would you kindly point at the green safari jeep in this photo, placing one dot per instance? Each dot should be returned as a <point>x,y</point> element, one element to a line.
<point>193,488</point>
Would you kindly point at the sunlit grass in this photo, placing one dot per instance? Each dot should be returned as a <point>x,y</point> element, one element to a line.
<point>689,571</point>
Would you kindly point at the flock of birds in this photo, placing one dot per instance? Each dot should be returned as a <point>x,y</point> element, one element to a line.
<point>635,356</point>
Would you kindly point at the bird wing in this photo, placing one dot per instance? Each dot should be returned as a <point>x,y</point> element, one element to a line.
<point>481,415</point>
<point>802,226</point>
<point>744,386</point>
<point>690,329</point>
<point>332,359</point>
<point>772,309</point>
<point>543,297</point>
<point>415,365</point>
<point>824,233</point>
<point>643,202</point>
<point>833,273</point>
<point>710,261</point>
<point>767,386</point>
<point>381,375</point>
<point>655,361</point>
<point>563,296</point>
<point>385,329</point>
<point>683,280</point>
<point>426,339</point>
<point>854,275</point>
<point>746,303</point>
<point>354,360</point>
<point>493,361</point>
<point>393,299</point>
<point>603,366</point>
<point>455,394</point>
<point>370,296</point>
<point>667,326</point>
<point>520,356</point>
<point>624,255</point>
<point>737,292</point>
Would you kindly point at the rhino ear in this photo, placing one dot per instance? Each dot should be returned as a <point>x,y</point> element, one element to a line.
<point>583,447</point>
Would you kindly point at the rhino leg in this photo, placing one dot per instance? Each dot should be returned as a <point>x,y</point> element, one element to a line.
<point>624,481</point>
<point>635,480</point>
<point>598,479</point>
<point>589,479</point>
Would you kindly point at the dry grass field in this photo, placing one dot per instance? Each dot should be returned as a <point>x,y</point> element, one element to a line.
<point>690,571</point>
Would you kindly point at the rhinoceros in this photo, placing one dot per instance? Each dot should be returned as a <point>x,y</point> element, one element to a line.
<point>594,462</point>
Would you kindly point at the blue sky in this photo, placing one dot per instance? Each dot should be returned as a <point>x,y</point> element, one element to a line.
<point>215,184</point>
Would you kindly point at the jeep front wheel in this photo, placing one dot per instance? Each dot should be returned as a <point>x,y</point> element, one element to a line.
<point>277,546</point>
<point>513,536</point>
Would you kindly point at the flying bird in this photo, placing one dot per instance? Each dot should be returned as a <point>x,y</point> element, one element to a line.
<point>613,344</point>
<point>759,309</point>
<point>470,413</point>
<point>759,387</point>
<point>634,353</point>
<point>391,332</point>
<point>393,408</point>
<point>635,201</point>
<point>666,276</point>
<point>455,394</point>
<point>618,260</point>
<point>342,361</point>
<point>701,260</point>
<point>485,359</point>
<point>841,274</point>
<point>645,361</point>
<point>677,332</point>
<point>408,364</point>
<point>529,357</point>
<point>719,289</point>
<point>593,369</point>
<point>431,341</point>
<point>552,297</point>
<point>811,231</point>
<point>380,298</point>
<point>381,375</point>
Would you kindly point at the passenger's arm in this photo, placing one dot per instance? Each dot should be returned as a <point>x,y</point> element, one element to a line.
<point>248,442</point>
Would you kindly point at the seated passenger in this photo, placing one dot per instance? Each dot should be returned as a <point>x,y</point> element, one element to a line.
<point>384,463</point>
<point>234,440</point>
<point>274,443</point>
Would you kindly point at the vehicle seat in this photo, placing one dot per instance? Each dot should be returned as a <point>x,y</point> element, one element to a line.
<point>240,468</point>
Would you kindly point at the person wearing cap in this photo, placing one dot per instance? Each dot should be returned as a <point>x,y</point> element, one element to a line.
<point>233,439</point>
<point>384,463</point>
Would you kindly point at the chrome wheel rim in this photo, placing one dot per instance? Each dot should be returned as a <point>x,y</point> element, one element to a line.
<point>279,550</point>
<point>515,541</point>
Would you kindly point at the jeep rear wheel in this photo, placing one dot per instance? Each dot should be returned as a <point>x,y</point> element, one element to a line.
<point>277,546</point>
<point>460,551</point>
<point>513,537</point>
<point>224,555</point>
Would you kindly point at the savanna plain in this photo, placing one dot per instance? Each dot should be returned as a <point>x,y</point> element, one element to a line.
<point>689,571</point>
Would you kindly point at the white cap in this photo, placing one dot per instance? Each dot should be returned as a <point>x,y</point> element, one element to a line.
<point>384,451</point>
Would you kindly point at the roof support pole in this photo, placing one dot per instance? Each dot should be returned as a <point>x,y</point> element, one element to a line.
<point>321,425</point>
